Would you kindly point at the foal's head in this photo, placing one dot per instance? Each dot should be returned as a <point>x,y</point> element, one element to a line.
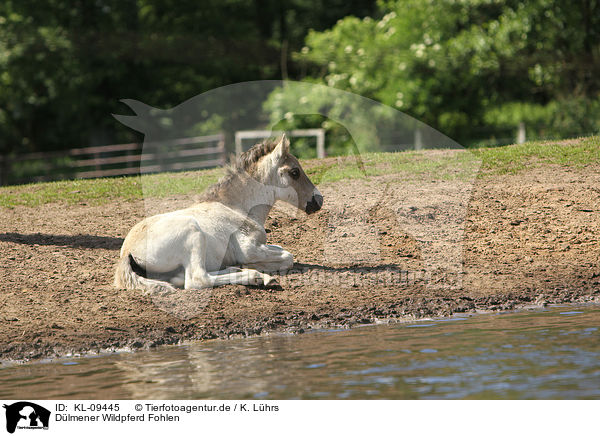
<point>283,171</point>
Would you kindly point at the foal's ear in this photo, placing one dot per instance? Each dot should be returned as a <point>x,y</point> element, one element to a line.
<point>282,148</point>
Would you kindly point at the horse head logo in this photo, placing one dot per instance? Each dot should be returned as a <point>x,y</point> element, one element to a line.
<point>26,414</point>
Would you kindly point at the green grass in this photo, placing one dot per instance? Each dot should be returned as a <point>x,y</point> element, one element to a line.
<point>576,153</point>
<point>407,165</point>
<point>98,191</point>
<point>489,161</point>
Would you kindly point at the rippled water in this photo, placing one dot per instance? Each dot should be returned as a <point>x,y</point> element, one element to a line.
<point>550,353</point>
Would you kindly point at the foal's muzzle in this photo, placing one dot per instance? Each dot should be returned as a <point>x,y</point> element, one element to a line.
<point>314,204</point>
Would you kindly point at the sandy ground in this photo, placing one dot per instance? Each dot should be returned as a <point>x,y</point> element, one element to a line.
<point>382,249</point>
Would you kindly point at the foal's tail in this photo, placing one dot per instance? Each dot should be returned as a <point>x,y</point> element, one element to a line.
<point>127,278</point>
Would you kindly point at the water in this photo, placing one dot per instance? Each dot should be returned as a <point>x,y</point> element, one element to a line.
<point>546,353</point>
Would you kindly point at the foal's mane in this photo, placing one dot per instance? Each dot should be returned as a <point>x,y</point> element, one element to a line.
<point>244,165</point>
<point>249,158</point>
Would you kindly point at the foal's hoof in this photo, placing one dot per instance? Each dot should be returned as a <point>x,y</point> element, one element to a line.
<point>273,283</point>
<point>270,280</point>
<point>264,280</point>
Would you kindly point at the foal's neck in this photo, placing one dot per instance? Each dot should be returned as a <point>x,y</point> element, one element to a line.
<point>251,197</point>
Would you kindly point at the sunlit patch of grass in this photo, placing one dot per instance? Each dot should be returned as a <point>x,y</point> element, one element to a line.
<point>99,191</point>
<point>576,153</point>
<point>442,165</point>
<point>167,184</point>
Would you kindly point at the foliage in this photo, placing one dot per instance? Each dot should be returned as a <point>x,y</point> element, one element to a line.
<point>64,66</point>
<point>470,68</point>
<point>463,65</point>
<point>563,117</point>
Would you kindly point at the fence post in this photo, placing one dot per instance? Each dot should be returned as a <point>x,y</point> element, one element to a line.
<point>129,163</point>
<point>222,151</point>
<point>418,139</point>
<point>321,144</point>
<point>521,133</point>
<point>238,144</point>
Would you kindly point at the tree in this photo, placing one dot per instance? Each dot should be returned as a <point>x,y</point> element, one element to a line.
<point>459,65</point>
<point>64,66</point>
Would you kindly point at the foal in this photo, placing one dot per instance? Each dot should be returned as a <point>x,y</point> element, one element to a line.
<point>203,245</point>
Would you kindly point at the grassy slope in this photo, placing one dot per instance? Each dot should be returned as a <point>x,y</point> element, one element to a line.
<point>494,161</point>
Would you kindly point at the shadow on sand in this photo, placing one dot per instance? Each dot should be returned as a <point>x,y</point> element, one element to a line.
<point>73,241</point>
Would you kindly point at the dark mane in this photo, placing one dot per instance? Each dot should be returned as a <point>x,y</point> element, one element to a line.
<point>243,165</point>
<point>250,157</point>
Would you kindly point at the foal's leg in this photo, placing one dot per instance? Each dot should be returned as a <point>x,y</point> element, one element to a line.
<point>196,276</point>
<point>237,276</point>
<point>179,279</point>
<point>269,258</point>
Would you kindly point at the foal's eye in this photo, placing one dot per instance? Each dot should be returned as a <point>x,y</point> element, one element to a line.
<point>295,173</point>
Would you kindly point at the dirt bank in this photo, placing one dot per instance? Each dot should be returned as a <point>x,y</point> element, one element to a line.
<point>373,253</point>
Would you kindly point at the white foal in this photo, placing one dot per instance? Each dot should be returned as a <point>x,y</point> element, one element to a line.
<point>206,244</point>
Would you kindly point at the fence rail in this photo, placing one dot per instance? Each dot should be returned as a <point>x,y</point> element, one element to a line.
<point>115,160</point>
<point>176,155</point>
